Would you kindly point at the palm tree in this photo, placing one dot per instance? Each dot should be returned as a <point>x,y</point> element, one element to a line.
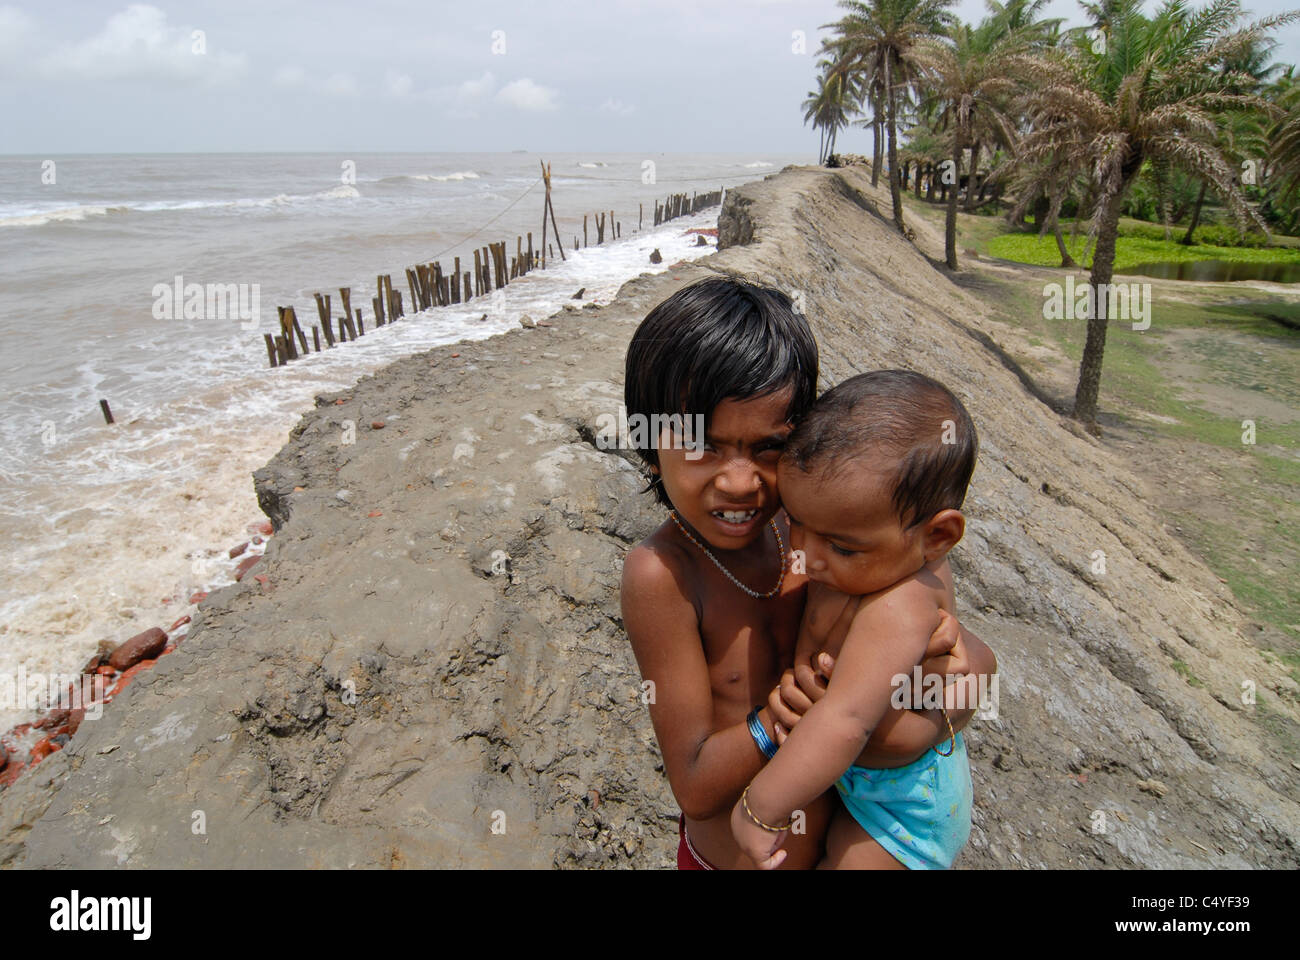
<point>879,39</point>
<point>1243,135</point>
<point>968,73</point>
<point>1151,91</point>
<point>830,106</point>
<point>1284,158</point>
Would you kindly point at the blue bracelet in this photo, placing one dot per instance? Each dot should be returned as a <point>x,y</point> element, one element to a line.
<point>760,736</point>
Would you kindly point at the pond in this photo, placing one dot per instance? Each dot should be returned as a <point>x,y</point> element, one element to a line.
<point>1218,271</point>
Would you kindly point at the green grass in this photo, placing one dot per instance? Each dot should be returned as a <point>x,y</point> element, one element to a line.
<point>1185,672</point>
<point>1133,384</point>
<point>1129,251</point>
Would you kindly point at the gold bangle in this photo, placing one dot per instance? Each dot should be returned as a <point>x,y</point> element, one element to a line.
<point>952,737</point>
<point>750,813</point>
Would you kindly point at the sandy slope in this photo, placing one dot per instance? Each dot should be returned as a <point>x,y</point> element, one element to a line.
<point>385,700</point>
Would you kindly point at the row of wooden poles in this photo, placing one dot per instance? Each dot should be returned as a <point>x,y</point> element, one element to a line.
<point>430,287</point>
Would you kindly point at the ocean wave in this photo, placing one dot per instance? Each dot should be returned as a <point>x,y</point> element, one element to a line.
<point>36,218</point>
<point>431,177</point>
<point>598,163</point>
<point>759,163</point>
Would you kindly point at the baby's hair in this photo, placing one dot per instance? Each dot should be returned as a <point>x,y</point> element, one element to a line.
<point>899,420</point>
<point>715,339</point>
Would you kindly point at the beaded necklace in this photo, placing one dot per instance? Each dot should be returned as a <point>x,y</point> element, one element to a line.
<point>780,546</point>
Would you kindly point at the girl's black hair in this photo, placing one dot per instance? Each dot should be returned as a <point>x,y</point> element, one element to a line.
<point>715,339</point>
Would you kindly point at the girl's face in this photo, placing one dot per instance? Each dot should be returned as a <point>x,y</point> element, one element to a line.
<point>729,494</point>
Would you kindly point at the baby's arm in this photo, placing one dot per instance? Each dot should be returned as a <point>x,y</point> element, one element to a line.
<point>706,769</point>
<point>887,638</point>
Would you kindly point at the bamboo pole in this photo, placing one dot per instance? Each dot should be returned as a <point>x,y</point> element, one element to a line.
<point>302,338</point>
<point>546,179</point>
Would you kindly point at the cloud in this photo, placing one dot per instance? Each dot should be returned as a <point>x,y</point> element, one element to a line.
<point>397,84</point>
<point>474,90</point>
<point>523,94</point>
<point>341,85</point>
<point>289,77</point>
<point>617,106</point>
<point>17,30</point>
<point>137,43</point>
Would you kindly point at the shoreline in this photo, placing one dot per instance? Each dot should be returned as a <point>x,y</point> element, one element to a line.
<point>131,565</point>
<point>393,686</point>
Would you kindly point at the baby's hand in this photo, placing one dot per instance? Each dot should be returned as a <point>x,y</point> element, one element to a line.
<point>761,846</point>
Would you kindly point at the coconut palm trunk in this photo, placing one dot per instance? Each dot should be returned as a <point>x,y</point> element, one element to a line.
<point>891,137</point>
<point>1196,217</point>
<point>1103,268</point>
<point>950,219</point>
<point>1062,249</point>
<point>877,149</point>
<point>970,179</point>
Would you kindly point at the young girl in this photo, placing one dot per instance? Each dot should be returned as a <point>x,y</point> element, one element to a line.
<point>709,602</point>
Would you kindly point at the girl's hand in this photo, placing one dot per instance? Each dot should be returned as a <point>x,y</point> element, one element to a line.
<point>946,653</point>
<point>800,687</point>
<point>761,846</point>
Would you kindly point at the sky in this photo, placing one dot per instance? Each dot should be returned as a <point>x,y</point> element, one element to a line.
<point>78,76</point>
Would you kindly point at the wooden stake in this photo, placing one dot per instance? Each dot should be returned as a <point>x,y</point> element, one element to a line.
<point>270,348</point>
<point>315,336</point>
<point>546,179</point>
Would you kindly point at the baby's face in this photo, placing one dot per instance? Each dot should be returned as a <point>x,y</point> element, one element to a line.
<point>728,494</point>
<point>850,536</point>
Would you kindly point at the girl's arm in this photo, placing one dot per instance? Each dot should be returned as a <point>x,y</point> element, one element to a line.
<point>706,769</point>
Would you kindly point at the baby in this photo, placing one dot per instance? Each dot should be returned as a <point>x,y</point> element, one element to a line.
<point>872,480</point>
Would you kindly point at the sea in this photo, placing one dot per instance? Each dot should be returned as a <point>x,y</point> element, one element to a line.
<point>109,530</point>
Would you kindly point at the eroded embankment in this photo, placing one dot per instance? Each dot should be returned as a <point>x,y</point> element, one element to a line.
<point>384,698</point>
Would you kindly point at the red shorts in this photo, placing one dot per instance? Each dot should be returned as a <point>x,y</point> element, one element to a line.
<point>687,858</point>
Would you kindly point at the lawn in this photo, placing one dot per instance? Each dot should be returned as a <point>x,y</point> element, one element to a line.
<point>1129,251</point>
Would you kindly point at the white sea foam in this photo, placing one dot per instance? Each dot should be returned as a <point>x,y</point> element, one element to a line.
<point>61,215</point>
<point>112,521</point>
<point>36,218</point>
